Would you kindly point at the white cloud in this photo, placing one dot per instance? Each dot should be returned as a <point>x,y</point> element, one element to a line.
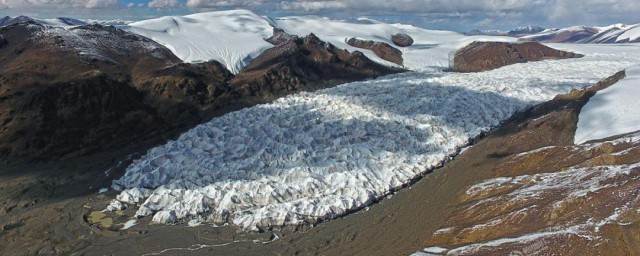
<point>313,5</point>
<point>225,3</point>
<point>58,4</point>
<point>410,6</point>
<point>467,13</point>
<point>164,3</point>
<point>593,10</point>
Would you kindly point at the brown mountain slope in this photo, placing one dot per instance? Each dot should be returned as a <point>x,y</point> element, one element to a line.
<point>90,87</point>
<point>548,196</point>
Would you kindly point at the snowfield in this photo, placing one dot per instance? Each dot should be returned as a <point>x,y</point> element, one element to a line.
<point>316,156</point>
<point>612,111</point>
<point>430,50</point>
<point>233,38</point>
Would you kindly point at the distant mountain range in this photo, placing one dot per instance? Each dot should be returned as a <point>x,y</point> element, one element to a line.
<point>7,21</point>
<point>526,30</point>
<point>60,22</point>
<point>616,33</point>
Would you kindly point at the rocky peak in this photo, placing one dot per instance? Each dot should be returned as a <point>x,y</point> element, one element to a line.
<point>312,39</point>
<point>279,36</point>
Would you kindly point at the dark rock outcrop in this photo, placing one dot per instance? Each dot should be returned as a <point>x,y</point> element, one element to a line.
<point>402,40</point>
<point>303,64</point>
<point>483,56</point>
<point>381,49</point>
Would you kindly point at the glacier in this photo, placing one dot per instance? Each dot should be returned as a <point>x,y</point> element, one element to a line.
<point>319,155</point>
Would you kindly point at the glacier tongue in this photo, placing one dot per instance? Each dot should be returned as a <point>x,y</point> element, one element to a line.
<point>320,155</point>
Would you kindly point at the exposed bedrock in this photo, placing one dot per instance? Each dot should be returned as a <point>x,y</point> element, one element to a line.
<point>484,56</point>
<point>402,40</point>
<point>381,49</point>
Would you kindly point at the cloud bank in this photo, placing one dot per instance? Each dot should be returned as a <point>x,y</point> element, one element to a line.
<point>440,13</point>
<point>57,4</point>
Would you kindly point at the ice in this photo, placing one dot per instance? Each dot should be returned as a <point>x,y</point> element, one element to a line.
<point>232,38</point>
<point>129,224</point>
<point>612,111</point>
<point>316,156</point>
<point>435,250</point>
<point>115,205</point>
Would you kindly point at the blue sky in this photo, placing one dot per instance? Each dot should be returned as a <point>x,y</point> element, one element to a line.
<point>459,15</point>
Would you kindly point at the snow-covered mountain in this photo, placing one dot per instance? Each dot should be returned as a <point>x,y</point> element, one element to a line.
<point>236,37</point>
<point>431,48</point>
<point>233,38</point>
<point>617,33</point>
<point>526,30</point>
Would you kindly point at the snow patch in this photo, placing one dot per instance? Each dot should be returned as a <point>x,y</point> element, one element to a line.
<point>439,250</point>
<point>129,224</point>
